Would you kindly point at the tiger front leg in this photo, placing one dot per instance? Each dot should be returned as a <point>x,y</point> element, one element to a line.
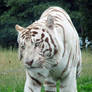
<point>28,87</point>
<point>69,82</point>
<point>50,85</point>
<point>50,88</point>
<point>31,88</point>
<point>32,84</point>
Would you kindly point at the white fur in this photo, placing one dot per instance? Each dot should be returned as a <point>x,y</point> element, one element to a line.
<point>58,33</point>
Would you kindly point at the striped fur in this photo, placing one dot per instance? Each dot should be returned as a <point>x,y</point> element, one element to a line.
<point>50,51</point>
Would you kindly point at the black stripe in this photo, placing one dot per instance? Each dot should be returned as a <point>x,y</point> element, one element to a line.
<point>37,81</point>
<point>50,84</point>
<point>41,75</point>
<point>67,64</point>
<point>55,65</point>
<point>49,91</point>
<point>55,49</point>
<point>34,32</point>
<point>64,38</point>
<point>42,35</point>
<point>31,89</point>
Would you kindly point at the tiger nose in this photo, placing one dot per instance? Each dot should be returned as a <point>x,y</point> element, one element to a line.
<point>30,63</point>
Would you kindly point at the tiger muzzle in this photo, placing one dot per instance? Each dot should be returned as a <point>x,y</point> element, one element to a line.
<point>30,63</point>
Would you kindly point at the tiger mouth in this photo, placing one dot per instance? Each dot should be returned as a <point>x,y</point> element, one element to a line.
<point>34,67</point>
<point>30,65</point>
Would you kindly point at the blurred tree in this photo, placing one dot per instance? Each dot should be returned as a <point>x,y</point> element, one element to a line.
<point>86,20</point>
<point>24,12</point>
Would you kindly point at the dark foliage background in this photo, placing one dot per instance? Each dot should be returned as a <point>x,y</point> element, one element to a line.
<point>24,12</point>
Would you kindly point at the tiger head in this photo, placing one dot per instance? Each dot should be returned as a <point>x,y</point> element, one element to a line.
<point>35,42</point>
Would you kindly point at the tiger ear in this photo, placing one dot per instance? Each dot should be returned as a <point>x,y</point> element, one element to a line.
<point>19,28</point>
<point>50,21</point>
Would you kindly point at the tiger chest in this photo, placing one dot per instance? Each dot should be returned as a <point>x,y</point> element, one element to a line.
<point>55,72</point>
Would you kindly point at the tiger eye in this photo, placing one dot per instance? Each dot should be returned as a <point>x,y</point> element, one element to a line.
<point>43,30</point>
<point>23,47</point>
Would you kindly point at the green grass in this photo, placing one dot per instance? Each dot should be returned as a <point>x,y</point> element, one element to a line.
<point>12,73</point>
<point>85,81</point>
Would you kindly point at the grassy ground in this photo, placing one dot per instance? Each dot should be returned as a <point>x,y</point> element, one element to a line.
<point>85,80</point>
<point>12,73</point>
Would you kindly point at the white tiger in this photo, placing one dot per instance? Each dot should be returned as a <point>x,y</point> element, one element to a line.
<point>50,51</point>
